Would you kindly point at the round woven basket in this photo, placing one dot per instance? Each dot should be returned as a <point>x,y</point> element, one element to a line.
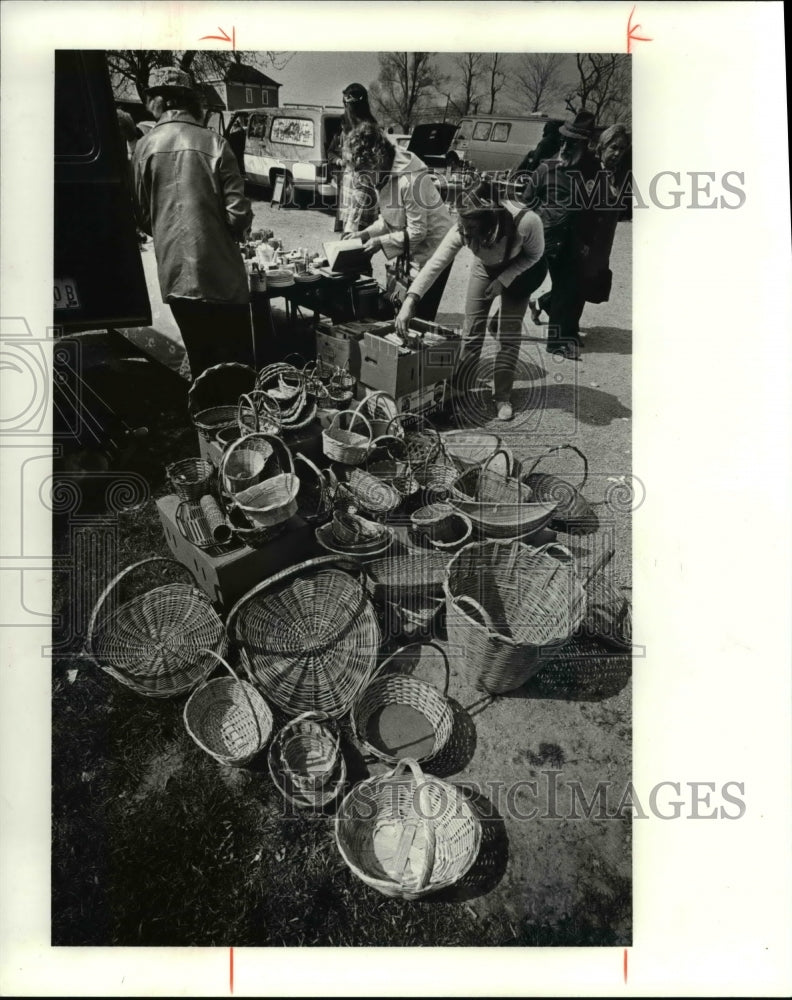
<point>154,642</point>
<point>257,414</point>
<point>372,496</point>
<point>228,718</point>
<point>407,834</point>
<point>273,499</point>
<point>397,689</point>
<point>308,636</point>
<point>441,527</point>
<point>320,796</point>
<point>309,751</point>
<point>506,604</point>
<point>191,478</point>
<point>472,448</point>
<point>213,398</point>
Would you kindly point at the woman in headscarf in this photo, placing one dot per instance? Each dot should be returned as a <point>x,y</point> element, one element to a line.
<point>507,243</point>
<point>357,200</point>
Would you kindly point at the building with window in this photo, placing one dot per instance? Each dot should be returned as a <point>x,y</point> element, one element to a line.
<point>246,87</point>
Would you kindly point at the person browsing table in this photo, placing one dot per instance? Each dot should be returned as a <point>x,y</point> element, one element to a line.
<point>507,244</point>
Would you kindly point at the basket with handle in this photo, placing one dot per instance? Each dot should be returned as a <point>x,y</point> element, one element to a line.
<point>244,462</point>
<point>343,444</point>
<point>380,409</point>
<point>384,463</point>
<point>285,387</point>
<point>191,478</point>
<point>498,506</point>
<point>214,396</point>
<point>441,527</point>
<point>317,491</point>
<point>228,718</point>
<point>373,496</point>
<point>309,748</point>
<point>391,688</point>
<point>438,474</point>
<point>256,413</point>
<point>507,603</point>
<point>255,536</point>
<point>472,448</point>
<point>274,499</point>
<point>419,445</point>
<point>308,636</point>
<point>571,506</point>
<point>153,642</point>
<point>407,834</point>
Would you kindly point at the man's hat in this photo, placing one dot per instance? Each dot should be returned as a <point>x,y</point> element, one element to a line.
<point>169,79</point>
<point>355,92</point>
<point>581,126</point>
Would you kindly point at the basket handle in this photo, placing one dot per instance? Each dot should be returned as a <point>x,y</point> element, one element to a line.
<point>273,439</point>
<point>557,448</point>
<point>368,400</point>
<point>303,364</point>
<point>429,642</point>
<point>114,583</point>
<point>411,826</point>
<point>241,683</point>
<point>245,398</point>
<point>346,564</point>
<point>479,610</point>
<point>194,393</point>
<point>498,451</point>
<point>354,415</point>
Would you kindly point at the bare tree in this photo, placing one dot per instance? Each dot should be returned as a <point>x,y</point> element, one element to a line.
<point>467,96</point>
<point>136,65</point>
<point>536,80</point>
<point>406,82</point>
<point>495,78</point>
<point>603,87</point>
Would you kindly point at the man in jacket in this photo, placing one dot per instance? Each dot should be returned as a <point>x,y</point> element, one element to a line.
<point>191,200</point>
<point>559,191</point>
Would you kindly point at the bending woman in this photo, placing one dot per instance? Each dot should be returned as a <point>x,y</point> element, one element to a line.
<point>507,243</point>
<point>411,210</point>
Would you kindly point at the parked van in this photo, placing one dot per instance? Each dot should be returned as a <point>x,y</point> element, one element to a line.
<point>290,141</point>
<point>495,142</point>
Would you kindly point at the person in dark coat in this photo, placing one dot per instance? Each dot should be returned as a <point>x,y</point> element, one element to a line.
<point>191,200</point>
<point>547,147</point>
<point>559,191</point>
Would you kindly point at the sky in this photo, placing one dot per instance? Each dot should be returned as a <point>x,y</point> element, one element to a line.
<point>319,77</point>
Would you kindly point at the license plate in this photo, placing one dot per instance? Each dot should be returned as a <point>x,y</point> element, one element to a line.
<point>65,294</point>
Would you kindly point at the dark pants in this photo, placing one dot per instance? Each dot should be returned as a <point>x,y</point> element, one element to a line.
<point>213,332</point>
<point>565,301</point>
<point>509,332</point>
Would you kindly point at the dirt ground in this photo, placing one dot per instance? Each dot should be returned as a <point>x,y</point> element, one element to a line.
<point>154,843</point>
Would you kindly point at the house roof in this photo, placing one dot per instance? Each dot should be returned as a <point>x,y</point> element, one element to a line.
<point>242,73</point>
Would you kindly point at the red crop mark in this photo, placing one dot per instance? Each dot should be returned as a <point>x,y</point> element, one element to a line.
<point>631,37</point>
<point>625,966</point>
<point>222,37</point>
<point>231,968</point>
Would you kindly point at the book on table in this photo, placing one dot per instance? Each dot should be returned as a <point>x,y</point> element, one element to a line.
<point>347,256</point>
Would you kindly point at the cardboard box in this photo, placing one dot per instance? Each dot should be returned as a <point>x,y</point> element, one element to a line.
<point>339,351</point>
<point>386,366</point>
<point>226,577</point>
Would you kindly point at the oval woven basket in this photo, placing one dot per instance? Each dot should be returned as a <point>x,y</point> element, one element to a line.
<point>309,749</point>
<point>372,496</point>
<point>153,642</point>
<point>215,393</point>
<point>228,718</point>
<point>317,798</point>
<point>407,834</point>
<point>472,448</point>
<point>572,508</point>
<point>191,478</point>
<point>440,526</point>
<point>506,604</point>
<point>308,636</point>
<point>396,690</point>
<point>272,499</point>
<point>343,444</point>
<point>253,535</point>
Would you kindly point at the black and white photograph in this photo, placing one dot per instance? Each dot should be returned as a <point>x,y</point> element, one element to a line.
<point>345,340</point>
<point>352,450</point>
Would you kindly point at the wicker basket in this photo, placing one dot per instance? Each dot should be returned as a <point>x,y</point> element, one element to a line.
<point>228,718</point>
<point>346,446</point>
<point>380,409</point>
<point>316,492</point>
<point>153,642</point>
<point>472,448</point>
<point>499,506</point>
<point>412,617</point>
<point>361,551</point>
<point>213,398</point>
<point>390,688</point>
<point>308,636</point>
<point>191,478</point>
<point>608,613</point>
<point>571,506</point>
<point>420,444</point>
<point>203,524</point>
<point>244,462</point>
<point>255,536</point>
<point>369,494</point>
<point>407,836</point>
<point>441,527</point>
<point>273,500</point>
<point>257,414</point>
<point>309,750</point>
<point>506,604</point>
